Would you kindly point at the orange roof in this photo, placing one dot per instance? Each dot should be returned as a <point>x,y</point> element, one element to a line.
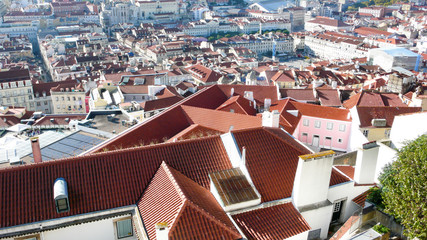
<point>188,208</point>
<point>276,222</point>
<point>360,199</point>
<point>220,120</point>
<point>347,170</point>
<point>238,104</point>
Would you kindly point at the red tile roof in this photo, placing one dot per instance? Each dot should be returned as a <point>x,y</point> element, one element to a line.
<point>271,159</point>
<point>347,170</point>
<point>374,99</point>
<point>366,114</point>
<point>329,97</point>
<point>208,97</point>
<point>160,103</point>
<point>238,104</point>
<point>360,199</point>
<point>102,181</point>
<point>45,87</point>
<point>204,74</point>
<point>337,178</point>
<point>276,222</point>
<point>220,120</point>
<point>290,121</point>
<point>304,95</point>
<point>195,131</point>
<point>190,210</point>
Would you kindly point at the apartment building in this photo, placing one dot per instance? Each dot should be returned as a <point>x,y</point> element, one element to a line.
<point>16,89</point>
<point>373,11</point>
<point>262,43</point>
<point>331,45</point>
<point>326,24</point>
<point>68,98</point>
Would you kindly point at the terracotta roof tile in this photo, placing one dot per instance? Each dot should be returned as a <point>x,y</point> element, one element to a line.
<point>277,222</point>
<point>337,178</point>
<point>347,170</point>
<point>160,103</point>
<point>304,95</point>
<point>220,120</point>
<point>190,210</point>
<point>209,97</point>
<point>366,114</point>
<point>360,199</point>
<point>238,104</point>
<point>104,181</point>
<point>374,99</point>
<point>328,97</point>
<point>271,159</point>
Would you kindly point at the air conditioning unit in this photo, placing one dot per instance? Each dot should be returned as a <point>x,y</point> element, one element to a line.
<point>377,122</point>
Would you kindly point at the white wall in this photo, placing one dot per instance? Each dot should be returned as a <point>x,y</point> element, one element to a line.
<point>408,127</point>
<point>356,136</point>
<point>312,180</point>
<point>366,164</point>
<point>103,229</point>
<point>386,155</point>
<point>319,218</point>
<point>346,191</point>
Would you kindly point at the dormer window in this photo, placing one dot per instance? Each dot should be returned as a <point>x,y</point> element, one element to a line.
<point>60,194</point>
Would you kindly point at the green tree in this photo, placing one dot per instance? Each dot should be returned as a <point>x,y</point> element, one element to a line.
<point>404,188</point>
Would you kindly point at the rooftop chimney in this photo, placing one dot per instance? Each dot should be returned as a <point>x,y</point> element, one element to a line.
<point>162,231</point>
<point>270,119</point>
<point>37,154</point>
<point>366,163</point>
<point>267,104</point>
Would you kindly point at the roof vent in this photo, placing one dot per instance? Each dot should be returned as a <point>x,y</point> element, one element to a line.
<point>60,195</point>
<point>52,120</point>
<point>67,119</point>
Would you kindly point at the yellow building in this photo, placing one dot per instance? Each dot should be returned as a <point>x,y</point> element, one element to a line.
<point>68,98</point>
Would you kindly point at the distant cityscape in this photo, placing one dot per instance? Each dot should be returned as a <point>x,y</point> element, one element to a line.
<point>208,119</point>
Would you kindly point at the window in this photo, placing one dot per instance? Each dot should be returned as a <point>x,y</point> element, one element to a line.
<point>337,206</point>
<point>45,102</point>
<point>329,126</point>
<point>124,228</point>
<point>387,133</point>
<point>340,140</point>
<point>342,128</point>
<point>57,99</point>
<point>304,134</point>
<point>317,124</point>
<point>306,122</point>
<point>365,133</point>
<point>38,104</point>
<point>62,205</point>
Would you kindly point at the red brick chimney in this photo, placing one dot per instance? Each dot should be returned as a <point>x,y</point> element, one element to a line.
<point>37,154</point>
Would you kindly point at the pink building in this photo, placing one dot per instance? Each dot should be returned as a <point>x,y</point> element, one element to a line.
<point>315,125</point>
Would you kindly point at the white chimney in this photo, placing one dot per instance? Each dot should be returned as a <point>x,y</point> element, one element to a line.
<point>267,104</point>
<point>243,163</point>
<point>312,178</point>
<point>366,163</point>
<point>162,231</point>
<point>271,119</point>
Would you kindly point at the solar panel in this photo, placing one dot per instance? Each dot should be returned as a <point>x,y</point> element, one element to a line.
<point>233,187</point>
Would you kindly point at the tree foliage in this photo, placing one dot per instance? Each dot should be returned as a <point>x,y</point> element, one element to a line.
<point>404,188</point>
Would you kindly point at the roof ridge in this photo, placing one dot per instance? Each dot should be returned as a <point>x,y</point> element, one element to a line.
<point>115,151</point>
<point>208,215</point>
<point>187,201</point>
